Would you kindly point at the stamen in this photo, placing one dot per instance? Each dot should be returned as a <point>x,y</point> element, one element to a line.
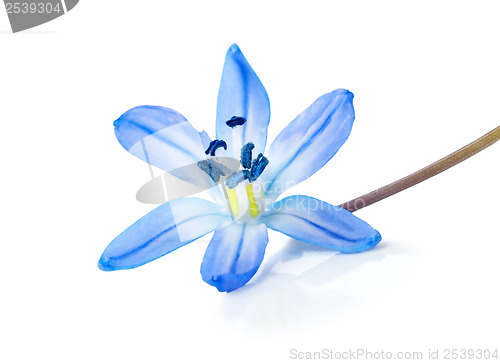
<point>214,145</point>
<point>214,169</point>
<point>232,197</point>
<point>223,169</point>
<point>210,146</point>
<point>258,166</point>
<point>246,155</point>
<point>254,208</point>
<point>237,178</point>
<point>236,121</point>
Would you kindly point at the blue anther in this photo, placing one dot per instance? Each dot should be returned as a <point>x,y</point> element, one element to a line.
<point>246,155</point>
<point>210,146</point>
<point>213,169</point>
<point>214,145</point>
<point>223,170</point>
<point>237,178</point>
<point>236,121</point>
<point>258,166</point>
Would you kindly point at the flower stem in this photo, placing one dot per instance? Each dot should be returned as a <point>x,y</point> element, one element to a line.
<point>423,174</point>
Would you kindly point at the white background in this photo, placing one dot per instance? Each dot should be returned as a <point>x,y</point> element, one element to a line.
<point>426,78</point>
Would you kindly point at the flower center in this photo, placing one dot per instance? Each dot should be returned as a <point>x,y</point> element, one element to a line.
<point>245,198</point>
<point>246,201</point>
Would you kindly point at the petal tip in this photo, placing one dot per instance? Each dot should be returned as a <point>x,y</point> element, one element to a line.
<point>233,49</point>
<point>223,283</point>
<point>104,265</point>
<point>368,243</point>
<point>346,92</point>
<point>375,239</point>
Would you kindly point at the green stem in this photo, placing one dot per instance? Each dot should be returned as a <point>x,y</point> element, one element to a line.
<point>423,174</point>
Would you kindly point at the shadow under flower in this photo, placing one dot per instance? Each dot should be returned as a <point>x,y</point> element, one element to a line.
<point>300,285</point>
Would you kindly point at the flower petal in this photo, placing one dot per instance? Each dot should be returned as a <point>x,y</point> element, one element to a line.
<point>166,228</point>
<point>205,139</point>
<point>160,136</point>
<point>241,94</point>
<point>314,221</point>
<point>234,255</point>
<point>308,142</point>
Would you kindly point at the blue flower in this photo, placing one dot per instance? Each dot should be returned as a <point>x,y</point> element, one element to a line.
<point>246,199</point>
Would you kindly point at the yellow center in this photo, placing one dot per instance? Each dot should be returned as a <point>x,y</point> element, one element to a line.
<point>246,201</point>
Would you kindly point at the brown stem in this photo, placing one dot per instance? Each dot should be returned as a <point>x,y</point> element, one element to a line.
<point>429,171</point>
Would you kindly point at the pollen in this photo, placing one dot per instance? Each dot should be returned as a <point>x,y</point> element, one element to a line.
<point>214,145</point>
<point>246,155</point>
<point>236,121</point>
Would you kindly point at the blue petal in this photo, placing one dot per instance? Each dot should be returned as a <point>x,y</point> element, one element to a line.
<point>160,136</point>
<point>234,255</point>
<point>308,142</point>
<point>242,94</point>
<point>205,139</point>
<point>166,228</point>
<point>319,223</point>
